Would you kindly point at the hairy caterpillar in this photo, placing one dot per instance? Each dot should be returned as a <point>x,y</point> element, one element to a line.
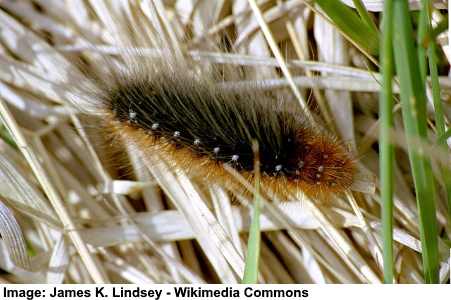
<point>199,126</point>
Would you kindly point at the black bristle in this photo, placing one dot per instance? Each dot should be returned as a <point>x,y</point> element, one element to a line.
<point>144,104</point>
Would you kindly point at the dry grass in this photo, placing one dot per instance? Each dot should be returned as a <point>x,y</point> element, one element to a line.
<point>82,224</point>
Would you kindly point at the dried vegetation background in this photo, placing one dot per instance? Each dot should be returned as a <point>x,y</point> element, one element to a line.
<point>68,215</point>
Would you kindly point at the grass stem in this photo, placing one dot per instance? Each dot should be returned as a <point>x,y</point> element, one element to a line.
<point>413,103</point>
<point>253,244</point>
<point>385,146</point>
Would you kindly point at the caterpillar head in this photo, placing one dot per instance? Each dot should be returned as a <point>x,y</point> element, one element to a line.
<point>322,163</point>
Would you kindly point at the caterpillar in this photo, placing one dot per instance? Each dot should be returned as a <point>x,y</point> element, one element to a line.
<point>199,125</point>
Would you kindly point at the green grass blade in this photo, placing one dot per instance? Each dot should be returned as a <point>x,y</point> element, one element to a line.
<point>442,26</point>
<point>366,17</point>
<point>350,23</point>
<point>438,108</point>
<point>253,244</point>
<point>442,138</point>
<point>422,33</point>
<point>385,146</point>
<point>5,136</point>
<point>413,102</point>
